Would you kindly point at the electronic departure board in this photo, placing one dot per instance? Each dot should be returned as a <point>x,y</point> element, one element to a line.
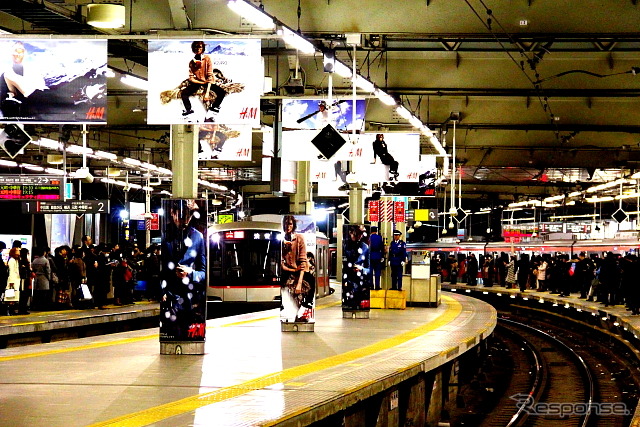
<point>30,187</point>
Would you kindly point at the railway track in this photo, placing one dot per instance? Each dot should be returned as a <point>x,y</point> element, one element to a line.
<point>544,375</point>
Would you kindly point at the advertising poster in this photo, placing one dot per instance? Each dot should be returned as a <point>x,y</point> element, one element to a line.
<point>428,176</point>
<point>356,272</point>
<point>53,81</point>
<point>183,282</point>
<point>389,157</point>
<point>317,113</point>
<point>212,81</point>
<point>392,157</point>
<point>224,142</point>
<point>298,283</point>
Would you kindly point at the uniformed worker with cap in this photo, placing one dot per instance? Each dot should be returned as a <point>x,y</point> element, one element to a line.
<point>397,258</point>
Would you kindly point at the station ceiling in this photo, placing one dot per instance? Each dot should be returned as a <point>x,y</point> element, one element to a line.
<point>546,91</point>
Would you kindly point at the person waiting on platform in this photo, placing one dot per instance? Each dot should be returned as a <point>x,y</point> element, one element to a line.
<point>42,297</point>
<point>397,259</point>
<point>376,256</point>
<point>13,280</point>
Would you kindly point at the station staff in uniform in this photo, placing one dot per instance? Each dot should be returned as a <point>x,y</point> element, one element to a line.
<point>397,259</point>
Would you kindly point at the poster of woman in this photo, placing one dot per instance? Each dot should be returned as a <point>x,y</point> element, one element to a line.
<point>297,286</point>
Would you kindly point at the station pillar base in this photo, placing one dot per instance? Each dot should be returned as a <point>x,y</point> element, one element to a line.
<point>296,327</point>
<point>182,347</point>
<point>357,314</point>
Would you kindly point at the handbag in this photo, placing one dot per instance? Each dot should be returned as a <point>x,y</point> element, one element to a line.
<point>9,293</point>
<point>292,283</point>
<point>84,292</point>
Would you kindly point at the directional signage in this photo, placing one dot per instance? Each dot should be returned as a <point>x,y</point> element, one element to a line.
<point>30,187</point>
<point>426,214</point>
<point>67,207</point>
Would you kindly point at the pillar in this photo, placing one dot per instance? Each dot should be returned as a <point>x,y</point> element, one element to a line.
<point>184,152</point>
<point>184,163</point>
<point>301,202</point>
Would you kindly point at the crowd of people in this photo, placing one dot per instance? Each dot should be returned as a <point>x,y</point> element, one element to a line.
<point>83,276</point>
<point>608,279</point>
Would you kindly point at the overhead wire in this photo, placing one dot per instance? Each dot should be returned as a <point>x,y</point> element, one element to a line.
<point>542,98</point>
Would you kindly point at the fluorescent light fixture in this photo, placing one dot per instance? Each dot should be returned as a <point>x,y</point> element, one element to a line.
<point>53,171</point>
<point>165,171</point>
<point>251,13</point>
<point>296,40</point>
<point>104,15</point>
<point>575,194</point>
<point>384,97</point>
<point>149,166</point>
<point>403,112</point>
<point>8,163</point>
<point>573,216</point>
<point>132,162</point>
<point>342,70</point>
<point>110,73</point>
<point>78,149</point>
<point>48,143</point>
<point>554,198</point>
<point>145,188</point>
<point>166,192</point>
<point>32,167</point>
<point>599,199</point>
<point>364,84</point>
<point>105,155</point>
<point>627,196</point>
<point>136,186</point>
<point>135,82</point>
<point>416,122</point>
<point>609,184</point>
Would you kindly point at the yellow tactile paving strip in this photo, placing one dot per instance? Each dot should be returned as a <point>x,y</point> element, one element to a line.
<point>179,407</point>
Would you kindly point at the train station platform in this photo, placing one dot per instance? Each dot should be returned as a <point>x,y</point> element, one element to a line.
<point>251,373</point>
<point>47,326</point>
<point>614,318</point>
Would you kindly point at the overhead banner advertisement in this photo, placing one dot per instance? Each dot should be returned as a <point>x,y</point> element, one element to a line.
<point>213,81</point>
<point>356,272</point>
<point>53,81</point>
<point>317,113</point>
<point>183,279</point>
<point>224,142</point>
<point>298,283</point>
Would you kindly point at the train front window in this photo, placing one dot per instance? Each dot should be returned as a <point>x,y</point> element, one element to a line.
<point>251,261</point>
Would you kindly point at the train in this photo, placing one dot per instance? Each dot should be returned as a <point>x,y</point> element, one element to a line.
<point>244,262</point>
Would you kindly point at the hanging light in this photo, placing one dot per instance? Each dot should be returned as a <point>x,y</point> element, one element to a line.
<point>105,15</point>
